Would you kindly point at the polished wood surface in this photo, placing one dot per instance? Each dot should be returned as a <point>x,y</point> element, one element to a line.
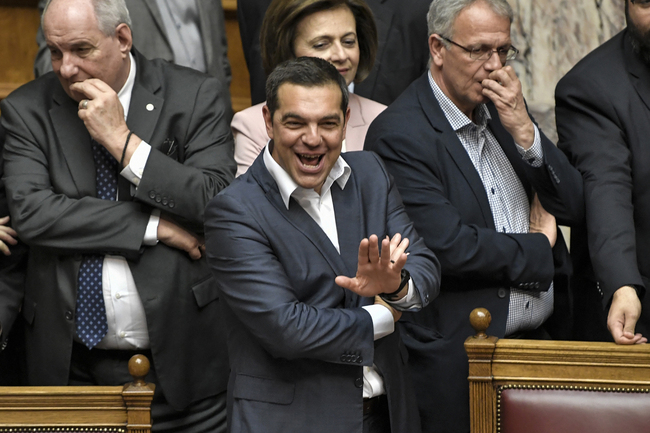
<point>495,363</point>
<point>88,407</point>
<point>19,21</point>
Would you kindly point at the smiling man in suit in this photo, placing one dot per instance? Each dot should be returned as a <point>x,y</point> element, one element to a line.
<point>477,177</point>
<point>310,347</point>
<point>109,162</point>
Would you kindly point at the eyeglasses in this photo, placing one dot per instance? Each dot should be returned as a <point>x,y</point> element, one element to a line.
<point>641,2</point>
<point>484,53</point>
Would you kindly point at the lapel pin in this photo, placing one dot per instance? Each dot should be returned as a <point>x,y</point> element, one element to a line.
<point>149,107</point>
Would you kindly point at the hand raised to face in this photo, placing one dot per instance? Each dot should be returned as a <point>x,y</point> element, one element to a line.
<point>503,88</point>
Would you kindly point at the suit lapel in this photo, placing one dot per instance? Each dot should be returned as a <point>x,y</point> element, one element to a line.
<point>638,71</point>
<point>298,217</point>
<point>349,219</point>
<point>348,223</point>
<point>453,145</point>
<point>145,106</point>
<point>74,139</point>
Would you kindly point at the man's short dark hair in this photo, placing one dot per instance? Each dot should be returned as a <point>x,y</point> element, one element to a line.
<point>306,72</point>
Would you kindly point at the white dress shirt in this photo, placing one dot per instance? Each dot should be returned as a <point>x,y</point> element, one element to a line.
<point>127,323</point>
<point>321,208</point>
<point>506,195</point>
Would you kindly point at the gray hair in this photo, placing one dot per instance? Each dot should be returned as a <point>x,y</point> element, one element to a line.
<point>443,13</point>
<point>109,14</point>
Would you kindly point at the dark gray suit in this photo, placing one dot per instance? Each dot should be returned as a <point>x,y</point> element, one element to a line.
<point>603,124</point>
<point>50,181</point>
<point>298,341</point>
<point>150,38</point>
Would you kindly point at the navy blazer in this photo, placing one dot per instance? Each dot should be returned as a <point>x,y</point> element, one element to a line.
<point>297,341</point>
<point>446,199</point>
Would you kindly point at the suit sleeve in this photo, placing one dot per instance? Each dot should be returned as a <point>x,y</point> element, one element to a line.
<point>255,286</point>
<point>45,217</point>
<point>592,135</point>
<point>422,263</point>
<point>558,184</point>
<point>465,250</point>
<point>250,137</point>
<point>207,166</point>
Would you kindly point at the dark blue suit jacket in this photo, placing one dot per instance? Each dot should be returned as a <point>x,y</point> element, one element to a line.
<point>297,341</point>
<point>445,197</point>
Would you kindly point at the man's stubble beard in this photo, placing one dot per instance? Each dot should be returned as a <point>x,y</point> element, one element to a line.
<point>640,40</point>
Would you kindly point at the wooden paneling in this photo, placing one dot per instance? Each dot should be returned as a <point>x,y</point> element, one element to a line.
<point>240,85</point>
<point>18,26</point>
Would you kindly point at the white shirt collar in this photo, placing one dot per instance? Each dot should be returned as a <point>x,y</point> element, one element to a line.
<point>340,174</point>
<point>127,89</point>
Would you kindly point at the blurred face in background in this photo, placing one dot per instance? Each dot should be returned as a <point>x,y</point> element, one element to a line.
<point>637,14</point>
<point>331,35</point>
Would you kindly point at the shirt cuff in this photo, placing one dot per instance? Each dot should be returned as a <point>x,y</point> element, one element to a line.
<point>410,302</point>
<point>382,320</point>
<point>133,171</point>
<point>151,233</point>
<point>534,155</point>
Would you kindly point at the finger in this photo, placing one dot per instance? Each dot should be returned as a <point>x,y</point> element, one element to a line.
<point>4,220</point>
<point>492,96</point>
<point>493,85</point>
<point>195,253</point>
<point>510,72</point>
<point>386,252</point>
<point>345,282</point>
<point>363,251</point>
<point>373,249</point>
<point>92,88</point>
<point>394,242</point>
<point>400,249</point>
<point>8,230</point>
<point>4,249</point>
<point>6,237</point>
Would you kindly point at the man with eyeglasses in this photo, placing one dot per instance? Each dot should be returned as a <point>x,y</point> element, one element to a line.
<point>484,188</point>
<point>603,122</point>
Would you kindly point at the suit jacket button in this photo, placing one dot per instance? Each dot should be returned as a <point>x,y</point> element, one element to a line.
<point>359,359</point>
<point>164,202</point>
<point>171,203</point>
<point>343,357</point>
<point>69,315</point>
<point>537,285</point>
<point>152,194</point>
<point>158,198</point>
<point>501,293</point>
<point>358,382</point>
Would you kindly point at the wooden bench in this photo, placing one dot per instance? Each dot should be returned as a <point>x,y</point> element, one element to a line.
<point>535,386</point>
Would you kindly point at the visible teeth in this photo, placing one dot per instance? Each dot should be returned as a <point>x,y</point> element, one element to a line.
<point>310,156</point>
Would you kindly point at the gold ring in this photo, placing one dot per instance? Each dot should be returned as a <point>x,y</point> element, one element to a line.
<point>84,104</point>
